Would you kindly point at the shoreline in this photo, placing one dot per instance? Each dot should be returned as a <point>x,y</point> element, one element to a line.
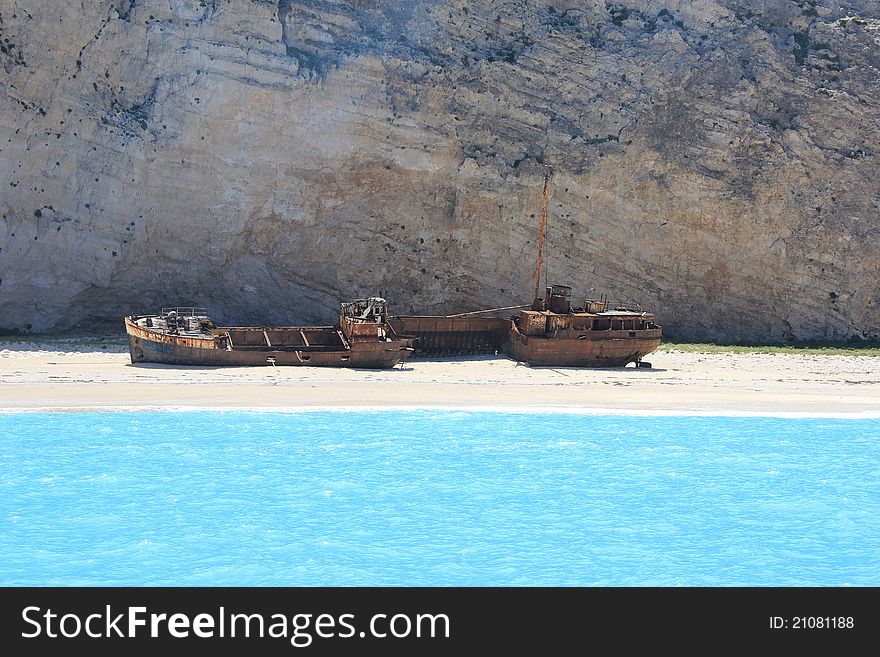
<point>507,410</point>
<point>63,378</point>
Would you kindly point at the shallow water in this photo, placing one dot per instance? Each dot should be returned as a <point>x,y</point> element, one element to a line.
<point>437,498</point>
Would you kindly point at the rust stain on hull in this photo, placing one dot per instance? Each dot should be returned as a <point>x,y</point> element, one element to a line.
<point>615,349</point>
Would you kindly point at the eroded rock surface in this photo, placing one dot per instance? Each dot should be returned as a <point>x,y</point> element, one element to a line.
<point>714,160</point>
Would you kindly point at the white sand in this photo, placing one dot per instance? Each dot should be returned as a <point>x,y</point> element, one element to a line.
<point>71,376</point>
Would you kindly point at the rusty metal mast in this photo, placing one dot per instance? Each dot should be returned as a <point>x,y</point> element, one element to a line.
<point>541,237</point>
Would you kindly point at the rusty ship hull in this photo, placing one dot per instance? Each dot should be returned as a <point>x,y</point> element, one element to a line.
<point>549,332</point>
<point>192,339</point>
<point>454,336</point>
<point>612,349</point>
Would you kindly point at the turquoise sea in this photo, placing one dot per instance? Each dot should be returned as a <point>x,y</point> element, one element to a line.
<point>437,498</point>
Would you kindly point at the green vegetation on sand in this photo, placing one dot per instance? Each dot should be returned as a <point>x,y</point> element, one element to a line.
<point>846,349</point>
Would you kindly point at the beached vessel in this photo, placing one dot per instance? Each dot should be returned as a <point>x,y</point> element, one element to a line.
<point>548,332</point>
<point>594,334</point>
<point>187,336</point>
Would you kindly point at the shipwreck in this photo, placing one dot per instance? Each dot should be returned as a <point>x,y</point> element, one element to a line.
<point>187,336</point>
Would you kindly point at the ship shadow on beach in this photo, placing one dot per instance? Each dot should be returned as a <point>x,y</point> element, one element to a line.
<point>267,368</point>
<point>564,370</point>
<point>482,358</point>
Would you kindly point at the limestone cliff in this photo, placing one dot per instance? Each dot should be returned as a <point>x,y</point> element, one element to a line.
<point>715,160</point>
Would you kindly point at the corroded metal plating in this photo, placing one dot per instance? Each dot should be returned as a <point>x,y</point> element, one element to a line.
<point>361,338</point>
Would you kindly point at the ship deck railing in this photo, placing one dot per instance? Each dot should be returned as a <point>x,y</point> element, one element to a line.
<point>185,311</point>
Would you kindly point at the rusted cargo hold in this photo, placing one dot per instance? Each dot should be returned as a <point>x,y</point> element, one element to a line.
<point>451,335</point>
<point>187,336</point>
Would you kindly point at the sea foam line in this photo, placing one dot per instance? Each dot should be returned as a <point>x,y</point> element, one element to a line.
<point>451,407</point>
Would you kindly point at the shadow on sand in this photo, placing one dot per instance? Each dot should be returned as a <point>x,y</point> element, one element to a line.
<point>480,358</point>
<point>401,367</point>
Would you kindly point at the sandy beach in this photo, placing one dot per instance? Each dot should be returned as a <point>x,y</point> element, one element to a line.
<point>64,375</point>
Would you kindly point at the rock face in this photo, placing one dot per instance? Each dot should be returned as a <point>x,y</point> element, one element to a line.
<point>714,160</point>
